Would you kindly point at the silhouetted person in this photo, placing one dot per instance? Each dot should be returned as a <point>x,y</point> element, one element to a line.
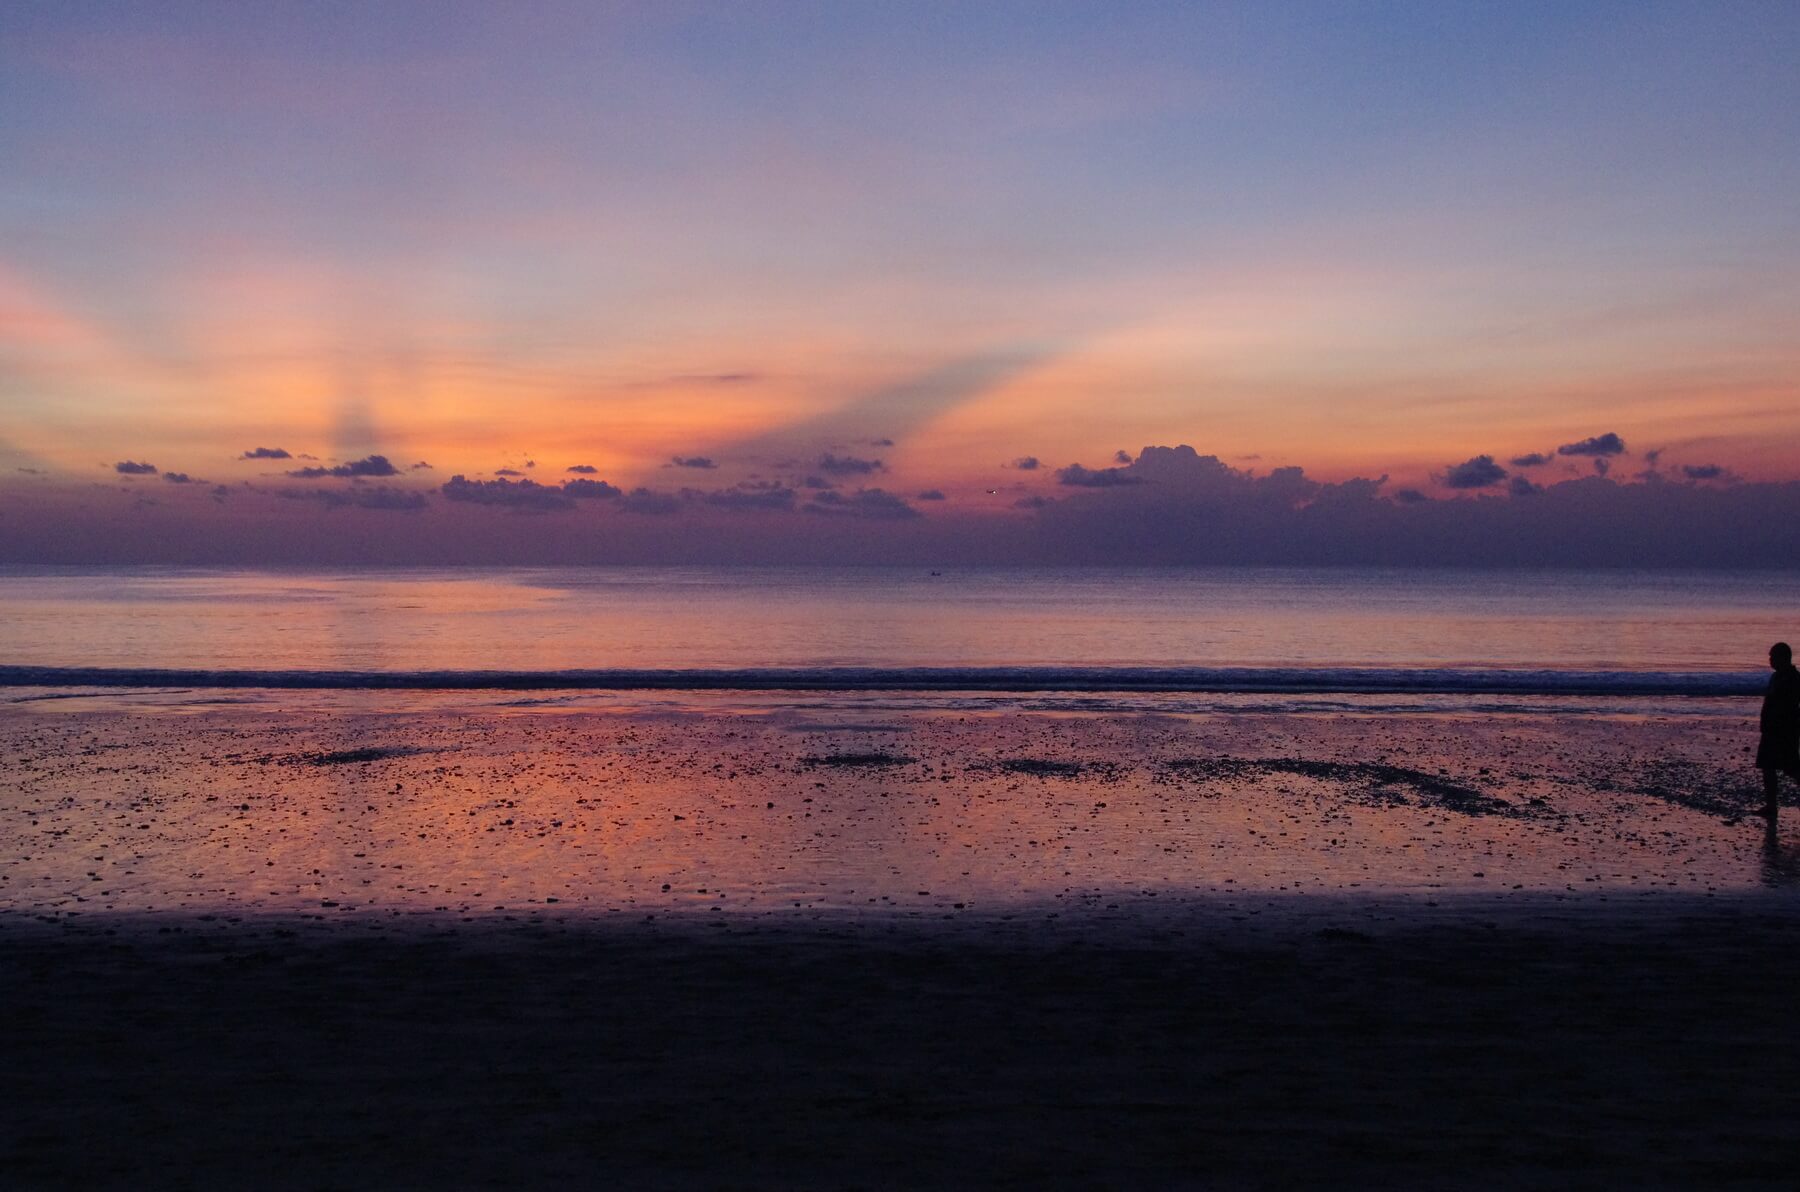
<point>1779,750</point>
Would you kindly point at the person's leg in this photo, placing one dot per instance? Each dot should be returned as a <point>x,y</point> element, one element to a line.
<point>1771,789</point>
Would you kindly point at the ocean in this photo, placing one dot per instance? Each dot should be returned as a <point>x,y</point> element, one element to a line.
<point>1215,629</point>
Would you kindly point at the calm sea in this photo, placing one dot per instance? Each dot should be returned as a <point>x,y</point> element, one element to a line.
<point>1182,628</point>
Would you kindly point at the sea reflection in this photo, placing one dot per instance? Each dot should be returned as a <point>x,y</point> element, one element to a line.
<point>557,618</point>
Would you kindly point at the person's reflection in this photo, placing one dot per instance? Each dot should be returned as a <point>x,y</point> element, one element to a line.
<point>1780,859</point>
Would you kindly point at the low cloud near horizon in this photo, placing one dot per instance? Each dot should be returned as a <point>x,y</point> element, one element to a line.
<point>1077,476</point>
<point>849,465</point>
<point>1176,506</point>
<point>371,466</point>
<point>1170,505</point>
<point>1606,444</point>
<point>1479,472</point>
<point>867,503</point>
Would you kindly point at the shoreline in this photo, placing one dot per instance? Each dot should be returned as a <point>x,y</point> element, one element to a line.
<point>993,680</point>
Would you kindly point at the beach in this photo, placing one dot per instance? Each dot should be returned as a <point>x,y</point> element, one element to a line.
<point>1480,1044</point>
<point>313,939</point>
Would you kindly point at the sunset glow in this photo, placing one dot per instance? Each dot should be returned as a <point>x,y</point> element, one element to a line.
<point>938,240</point>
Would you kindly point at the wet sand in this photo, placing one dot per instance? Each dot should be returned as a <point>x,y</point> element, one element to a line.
<point>444,946</point>
<point>383,804</point>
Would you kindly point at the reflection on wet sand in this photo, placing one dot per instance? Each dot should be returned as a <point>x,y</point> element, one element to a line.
<point>437,806</point>
<point>1780,856</point>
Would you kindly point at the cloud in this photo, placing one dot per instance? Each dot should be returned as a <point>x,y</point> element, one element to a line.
<point>181,478</point>
<point>379,497</point>
<point>930,494</point>
<point>266,453</point>
<point>1032,502</point>
<point>128,467</point>
<point>1179,507</point>
<point>374,465</point>
<point>751,497</point>
<point>422,466</point>
<point>1181,473</point>
<point>1076,476</point>
<point>582,469</point>
<point>1606,444</point>
<point>1704,472</point>
<point>530,463</point>
<point>1121,456</point>
<point>524,496</point>
<point>1026,463</point>
<point>849,465</point>
<point>1172,503</point>
<point>1653,456</point>
<point>643,500</point>
<point>1191,509</point>
<point>873,503</point>
<point>527,496</point>
<point>881,442</point>
<point>1535,459</point>
<point>816,482</point>
<point>507,472</point>
<point>583,489</point>
<point>1479,472</point>
<point>1354,490</point>
<point>699,462</point>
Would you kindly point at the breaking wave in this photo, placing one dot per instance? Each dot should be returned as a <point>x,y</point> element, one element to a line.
<point>1239,680</point>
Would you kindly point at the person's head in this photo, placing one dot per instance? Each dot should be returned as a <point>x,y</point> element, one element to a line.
<point>1781,655</point>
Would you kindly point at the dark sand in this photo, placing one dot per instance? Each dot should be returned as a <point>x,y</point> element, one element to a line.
<point>1478,1046</point>
<point>336,948</point>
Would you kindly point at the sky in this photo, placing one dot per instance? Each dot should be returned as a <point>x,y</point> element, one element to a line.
<point>900,282</point>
